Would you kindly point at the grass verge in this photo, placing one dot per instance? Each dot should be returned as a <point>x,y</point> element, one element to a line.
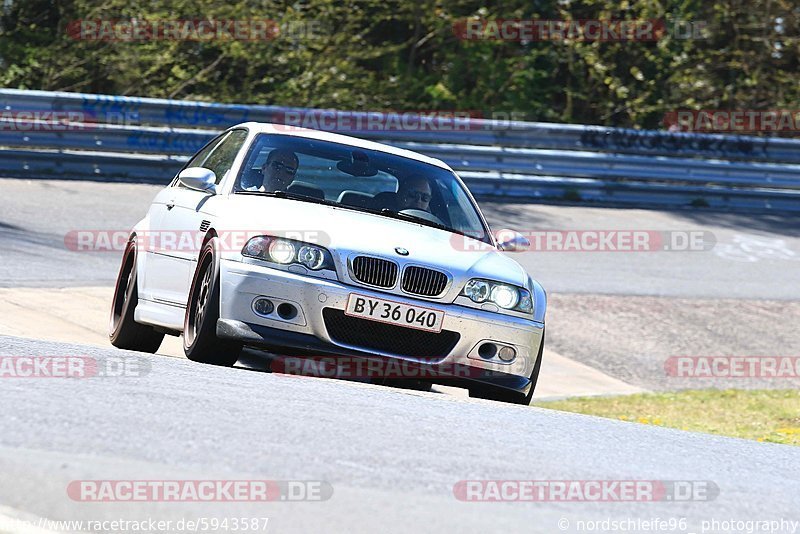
<point>761,415</point>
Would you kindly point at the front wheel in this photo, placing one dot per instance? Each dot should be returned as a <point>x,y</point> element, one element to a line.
<point>512,397</point>
<point>123,331</point>
<point>200,341</point>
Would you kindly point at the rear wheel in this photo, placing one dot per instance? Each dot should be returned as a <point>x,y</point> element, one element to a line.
<point>512,397</point>
<point>200,341</point>
<point>123,331</point>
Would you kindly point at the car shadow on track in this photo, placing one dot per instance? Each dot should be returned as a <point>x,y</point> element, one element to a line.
<point>260,361</point>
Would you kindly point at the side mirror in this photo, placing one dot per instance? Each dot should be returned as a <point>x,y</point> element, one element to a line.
<point>199,179</point>
<point>512,241</point>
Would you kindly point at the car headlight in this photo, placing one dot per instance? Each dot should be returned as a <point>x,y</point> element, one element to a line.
<point>311,256</point>
<point>287,251</point>
<point>281,251</point>
<point>256,247</point>
<point>505,296</point>
<point>478,290</point>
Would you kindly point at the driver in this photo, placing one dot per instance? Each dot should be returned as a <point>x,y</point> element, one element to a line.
<point>414,194</point>
<point>279,170</point>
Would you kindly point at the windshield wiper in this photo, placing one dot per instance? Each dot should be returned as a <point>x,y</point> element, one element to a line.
<point>408,217</point>
<point>291,196</point>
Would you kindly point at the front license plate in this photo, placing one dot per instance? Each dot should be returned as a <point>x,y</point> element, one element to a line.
<point>386,311</point>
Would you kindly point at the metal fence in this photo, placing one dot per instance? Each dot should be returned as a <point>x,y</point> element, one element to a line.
<point>98,137</point>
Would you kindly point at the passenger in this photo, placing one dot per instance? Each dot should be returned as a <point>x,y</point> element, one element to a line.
<point>414,193</point>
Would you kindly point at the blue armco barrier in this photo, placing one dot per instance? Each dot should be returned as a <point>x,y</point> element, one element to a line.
<point>147,140</point>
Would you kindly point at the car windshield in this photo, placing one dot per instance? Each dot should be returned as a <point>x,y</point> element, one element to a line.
<point>366,180</point>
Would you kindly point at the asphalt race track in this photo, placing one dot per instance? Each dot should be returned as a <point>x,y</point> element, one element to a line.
<point>391,456</point>
<point>395,458</point>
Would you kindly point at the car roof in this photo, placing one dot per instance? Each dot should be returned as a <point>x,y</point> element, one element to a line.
<point>282,129</point>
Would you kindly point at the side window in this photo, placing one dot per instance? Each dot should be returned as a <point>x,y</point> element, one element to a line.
<point>221,159</point>
<point>200,157</point>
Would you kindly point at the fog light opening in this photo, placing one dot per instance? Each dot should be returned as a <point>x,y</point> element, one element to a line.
<point>287,312</point>
<point>487,351</point>
<point>507,354</point>
<point>263,306</point>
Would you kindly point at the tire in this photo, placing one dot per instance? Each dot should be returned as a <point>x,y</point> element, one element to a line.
<point>200,341</point>
<point>512,397</point>
<point>123,331</point>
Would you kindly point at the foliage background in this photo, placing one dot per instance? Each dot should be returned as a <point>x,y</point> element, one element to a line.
<point>401,55</point>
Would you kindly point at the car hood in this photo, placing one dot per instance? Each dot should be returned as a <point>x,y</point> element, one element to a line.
<point>346,232</point>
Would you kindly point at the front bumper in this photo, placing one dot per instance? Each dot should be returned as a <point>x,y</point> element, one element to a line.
<point>308,334</point>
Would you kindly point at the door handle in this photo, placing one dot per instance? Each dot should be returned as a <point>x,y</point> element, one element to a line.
<point>170,204</point>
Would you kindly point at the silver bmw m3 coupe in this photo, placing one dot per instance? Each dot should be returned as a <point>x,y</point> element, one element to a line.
<point>316,245</point>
